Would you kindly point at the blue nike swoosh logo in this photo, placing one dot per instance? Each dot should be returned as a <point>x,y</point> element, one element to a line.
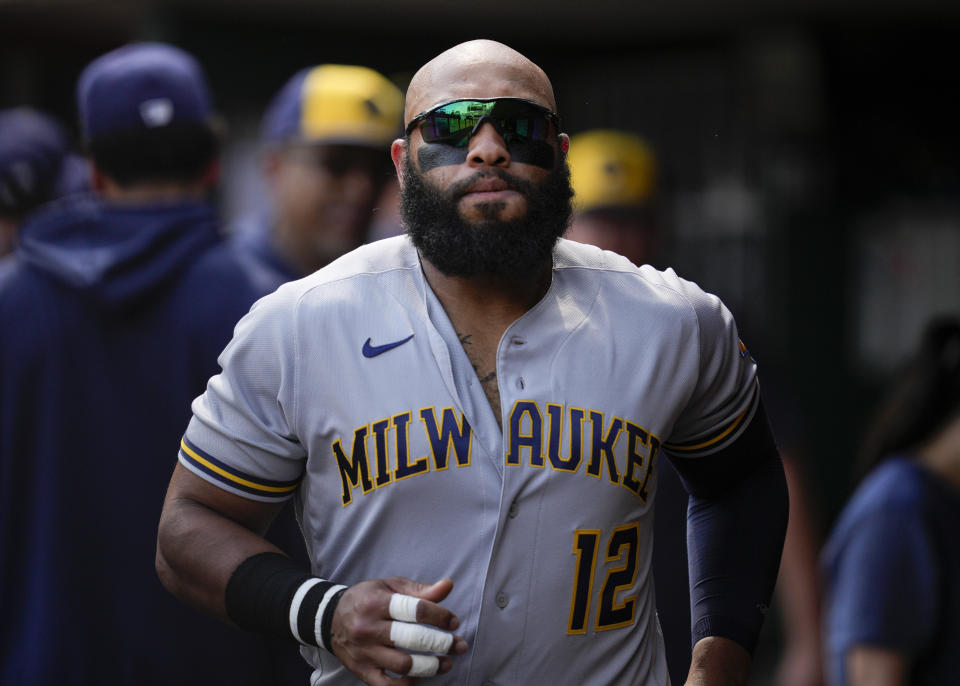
<point>374,350</point>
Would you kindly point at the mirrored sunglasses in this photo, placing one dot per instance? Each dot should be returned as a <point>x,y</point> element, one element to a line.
<point>515,119</point>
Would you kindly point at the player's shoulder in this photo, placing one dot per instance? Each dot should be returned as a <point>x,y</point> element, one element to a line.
<point>379,257</point>
<point>366,265</point>
<point>379,267</point>
<point>568,254</point>
<point>622,274</point>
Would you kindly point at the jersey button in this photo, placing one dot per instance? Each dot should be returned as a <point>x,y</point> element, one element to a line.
<point>520,384</point>
<point>514,508</point>
<point>516,340</point>
<point>502,600</point>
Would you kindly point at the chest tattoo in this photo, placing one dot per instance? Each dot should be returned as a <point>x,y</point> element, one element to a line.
<point>484,365</point>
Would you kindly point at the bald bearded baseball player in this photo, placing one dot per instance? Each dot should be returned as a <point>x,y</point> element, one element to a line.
<point>470,418</point>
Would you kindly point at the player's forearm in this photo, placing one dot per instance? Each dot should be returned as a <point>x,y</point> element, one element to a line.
<point>736,520</point>
<point>734,542</point>
<point>718,662</point>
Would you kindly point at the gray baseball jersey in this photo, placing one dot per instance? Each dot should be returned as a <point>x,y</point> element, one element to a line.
<point>350,391</point>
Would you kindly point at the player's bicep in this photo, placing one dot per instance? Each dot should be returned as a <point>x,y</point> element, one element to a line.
<point>188,490</point>
<point>205,533</point>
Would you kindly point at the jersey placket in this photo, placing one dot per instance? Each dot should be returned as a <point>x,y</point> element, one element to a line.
<point>522,370</point>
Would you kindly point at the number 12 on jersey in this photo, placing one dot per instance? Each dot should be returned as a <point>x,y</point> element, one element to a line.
<point>621,547</point>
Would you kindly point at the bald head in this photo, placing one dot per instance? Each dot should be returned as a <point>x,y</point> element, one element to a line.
<point>477,69</point>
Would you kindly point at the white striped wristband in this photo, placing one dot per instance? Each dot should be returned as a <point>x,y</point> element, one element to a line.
<point>311,611</point>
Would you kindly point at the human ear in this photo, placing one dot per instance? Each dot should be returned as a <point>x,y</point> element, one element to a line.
<point>398,151</point>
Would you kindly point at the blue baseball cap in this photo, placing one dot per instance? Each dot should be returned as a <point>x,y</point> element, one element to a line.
<point>335,103</point>
<point>141,86</point>
<point>36,164</point>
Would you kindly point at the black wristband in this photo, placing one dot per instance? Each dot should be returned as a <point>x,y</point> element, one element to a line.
<point>262,589</point>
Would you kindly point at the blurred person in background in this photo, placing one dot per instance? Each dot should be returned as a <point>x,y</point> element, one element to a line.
<point>892,563</point>
<point>113,311</point>
<point>616,202</point>
<point>36,165</point>
<point>326,137</point>
<point>617,206</point>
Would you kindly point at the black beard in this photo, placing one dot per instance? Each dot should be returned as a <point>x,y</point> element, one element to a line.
<point>512,250</point>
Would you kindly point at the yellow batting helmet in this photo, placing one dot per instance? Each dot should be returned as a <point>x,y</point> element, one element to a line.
<point>611,169</point>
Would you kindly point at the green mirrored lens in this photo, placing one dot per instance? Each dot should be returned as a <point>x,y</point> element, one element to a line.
<point>516,120</point>
<point>454,123</point>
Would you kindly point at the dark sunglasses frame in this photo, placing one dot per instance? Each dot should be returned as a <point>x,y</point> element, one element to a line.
<point>537,107</point>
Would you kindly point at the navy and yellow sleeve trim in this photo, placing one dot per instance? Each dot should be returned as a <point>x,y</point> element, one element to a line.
<point>711,442</point>
<point>231,478</point>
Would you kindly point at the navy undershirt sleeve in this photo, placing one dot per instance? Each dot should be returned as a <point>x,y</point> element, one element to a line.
<point>736,522</point>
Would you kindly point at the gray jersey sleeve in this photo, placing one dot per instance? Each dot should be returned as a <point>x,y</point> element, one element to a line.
<point>240,436</point>
<point>725,395</point>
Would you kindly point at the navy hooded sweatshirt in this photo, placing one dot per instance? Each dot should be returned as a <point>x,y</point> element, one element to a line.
<point>111,321</point>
